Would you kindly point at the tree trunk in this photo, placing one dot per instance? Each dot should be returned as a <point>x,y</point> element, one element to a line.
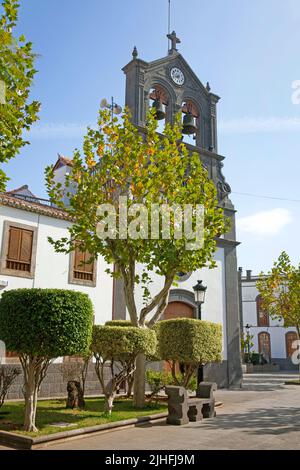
<point>30,392</point>
<point>109,400</point>
<point>139,382</point>
<point>298,331</point>
<point>84,371</point>
<point>130,382</point>
<point>34,370</point>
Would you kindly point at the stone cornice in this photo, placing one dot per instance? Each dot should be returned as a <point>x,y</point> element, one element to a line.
<point>223,243</point>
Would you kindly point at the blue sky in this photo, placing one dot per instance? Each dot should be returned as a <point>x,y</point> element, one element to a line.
<point>247,49</point>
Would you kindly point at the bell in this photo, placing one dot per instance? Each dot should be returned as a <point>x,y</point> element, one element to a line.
<point>189,124</point>
<point>159,110</point>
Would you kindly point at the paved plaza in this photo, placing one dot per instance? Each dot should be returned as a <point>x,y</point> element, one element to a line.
<point>264,415</point>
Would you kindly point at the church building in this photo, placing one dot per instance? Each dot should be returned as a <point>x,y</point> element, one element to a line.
<point>168,85</point>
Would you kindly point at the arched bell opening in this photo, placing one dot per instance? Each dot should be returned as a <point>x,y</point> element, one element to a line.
<point>158,102</point>
<point>190,122</point>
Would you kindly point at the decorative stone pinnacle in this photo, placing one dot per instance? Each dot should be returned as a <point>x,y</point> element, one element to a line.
<point>135,52</point>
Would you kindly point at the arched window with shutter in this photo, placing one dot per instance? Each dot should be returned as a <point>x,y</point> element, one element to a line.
<point>262,315</point>
<point>290,337</point>
<point>264,345</point>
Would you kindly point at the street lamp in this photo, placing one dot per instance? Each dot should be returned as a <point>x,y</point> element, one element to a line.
<point>247,327</point>
<point>199,292</point>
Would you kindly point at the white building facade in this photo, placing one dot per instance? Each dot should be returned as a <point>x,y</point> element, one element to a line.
<point>270,337</point>
<point>28,259</point>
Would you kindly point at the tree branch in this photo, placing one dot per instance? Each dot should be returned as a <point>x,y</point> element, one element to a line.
<point>128,278</point>
<point>157,299</point>
<point>160,309</point>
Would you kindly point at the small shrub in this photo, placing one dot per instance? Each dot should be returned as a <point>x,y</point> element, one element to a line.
<point>158,380</point>
<point>189,343</point>
<point>7,376</point>
<point>118,347</point>
<point>130,379</point>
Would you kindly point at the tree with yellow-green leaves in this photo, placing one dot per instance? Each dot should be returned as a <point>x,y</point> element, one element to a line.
<point>149,171</point>
<point>280,292</point>
<point>17,71</point>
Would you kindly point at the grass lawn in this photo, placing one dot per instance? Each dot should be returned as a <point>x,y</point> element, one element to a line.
<point>54,411</point>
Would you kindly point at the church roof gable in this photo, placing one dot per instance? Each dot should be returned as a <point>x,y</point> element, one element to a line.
<point>178,59</point>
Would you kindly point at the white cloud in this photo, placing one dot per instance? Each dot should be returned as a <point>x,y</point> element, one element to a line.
<point>248,125</point>
<point>48,131</point>
<point>265,223</point>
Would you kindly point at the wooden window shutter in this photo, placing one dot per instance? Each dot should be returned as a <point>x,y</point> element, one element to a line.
<point>26,246</point>
<point>19,249</point>
<point>88,267</point>
<point>82,268</point>
<point>14,243</point>
<point>78,259</point>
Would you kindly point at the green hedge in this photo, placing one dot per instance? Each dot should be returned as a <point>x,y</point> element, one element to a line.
<point>115,342</point>
<point>46,322</point>
<point>118,323</point>
<point>121,323</point>
<point>189,341</point>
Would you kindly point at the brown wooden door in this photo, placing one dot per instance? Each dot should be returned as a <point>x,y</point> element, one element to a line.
<point>178,310</point>
<point>264,345</point>
<point>290,337</point>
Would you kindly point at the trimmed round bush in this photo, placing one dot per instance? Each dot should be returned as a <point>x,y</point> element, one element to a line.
<point>42,324</point>
<point>118,323</point>
<point>46,322</point>
<point>115,342</point>
<point>189,341</point>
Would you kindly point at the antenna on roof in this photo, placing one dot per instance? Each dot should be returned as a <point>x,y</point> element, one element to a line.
<point>169,22</point>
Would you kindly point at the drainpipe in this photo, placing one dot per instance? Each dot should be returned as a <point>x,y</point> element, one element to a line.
<point>240,273</point>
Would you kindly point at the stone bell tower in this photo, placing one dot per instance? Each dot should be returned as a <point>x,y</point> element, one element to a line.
<point>172,81</point>
<point>170,85</point>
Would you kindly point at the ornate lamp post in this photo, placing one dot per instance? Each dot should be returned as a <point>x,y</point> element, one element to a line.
<point>247,327</point>
<point>199,292</point>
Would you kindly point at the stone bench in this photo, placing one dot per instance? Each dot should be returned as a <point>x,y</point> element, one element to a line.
<point>182,409</point>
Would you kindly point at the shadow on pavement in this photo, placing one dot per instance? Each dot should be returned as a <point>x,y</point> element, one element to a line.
<point>260,421</point>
